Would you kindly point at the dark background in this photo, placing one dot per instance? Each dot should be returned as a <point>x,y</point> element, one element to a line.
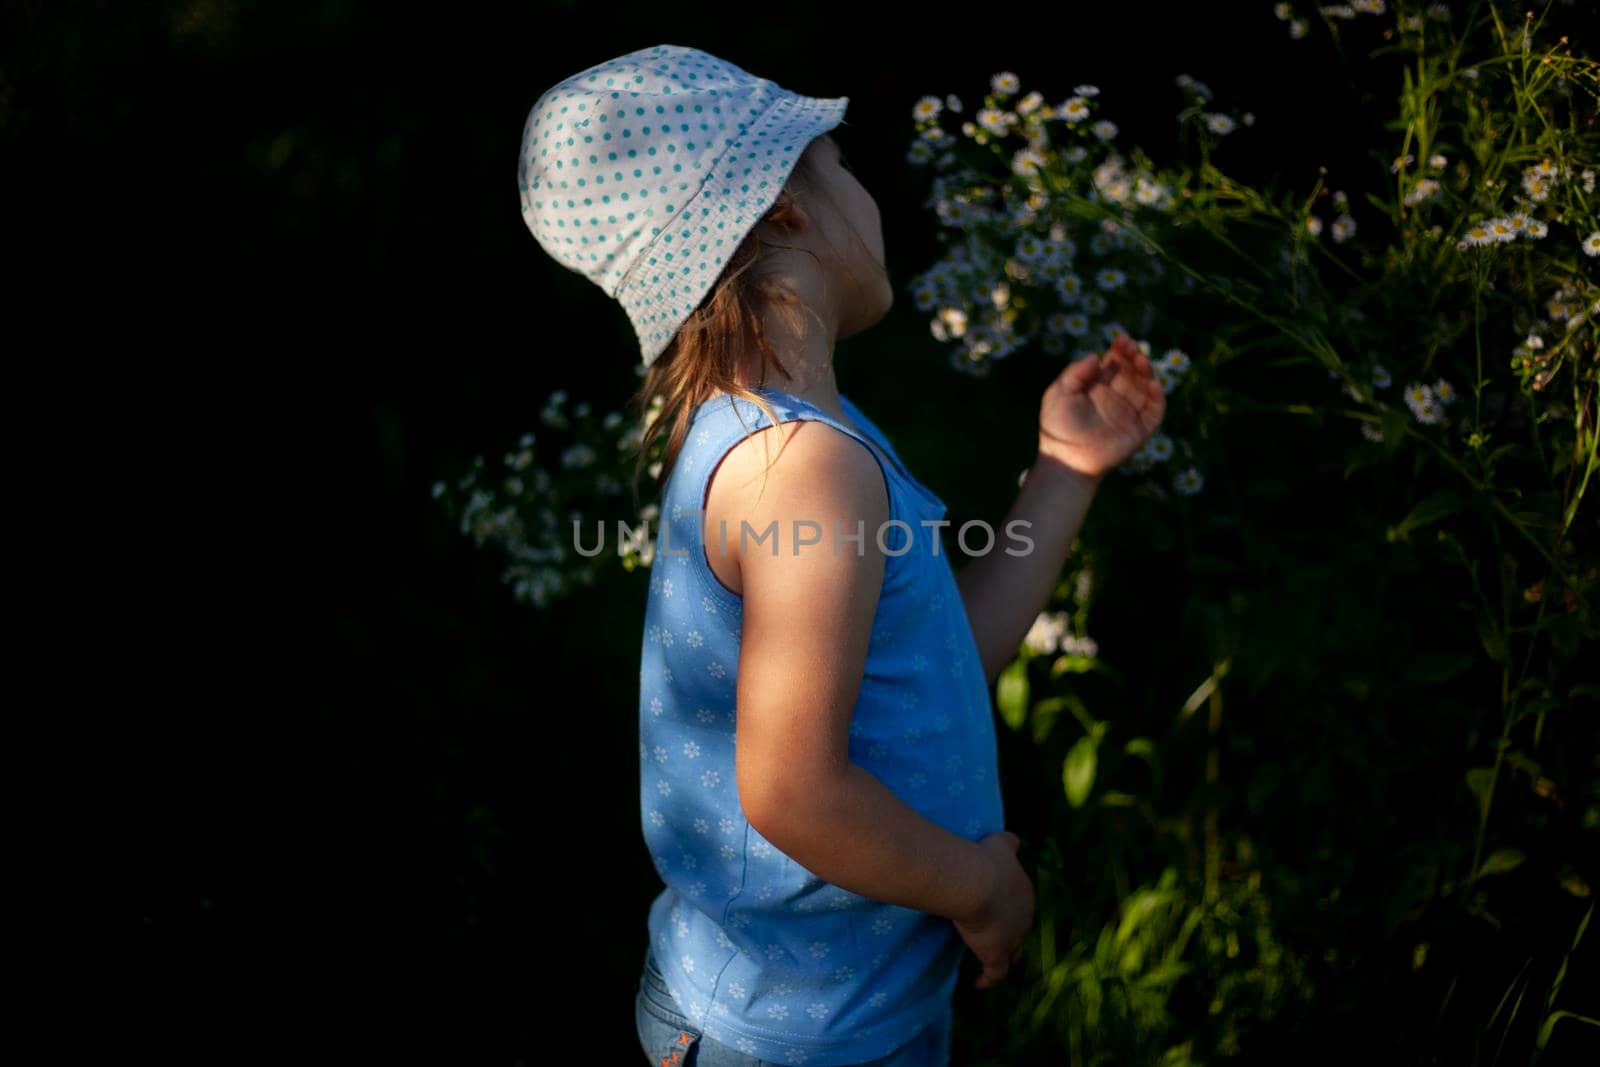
<point>358,801</point>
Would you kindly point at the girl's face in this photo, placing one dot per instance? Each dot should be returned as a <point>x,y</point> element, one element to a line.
<point>856,234</point>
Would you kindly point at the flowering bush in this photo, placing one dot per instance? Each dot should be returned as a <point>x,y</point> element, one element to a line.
<point>550,519</point>
<point>1466,284</point>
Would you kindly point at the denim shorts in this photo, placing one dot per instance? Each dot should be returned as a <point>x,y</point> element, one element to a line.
<point>669,1039</point>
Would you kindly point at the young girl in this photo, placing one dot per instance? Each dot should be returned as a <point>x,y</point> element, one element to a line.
<point>819,788</point>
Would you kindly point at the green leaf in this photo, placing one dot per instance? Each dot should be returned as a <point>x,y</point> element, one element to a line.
<point>1142,747</point>
<point>1439,505</point>
<point>1011,694</point>
<point>1479,780</point>
<point>1550,1022</point>
<point>1493,644</point>
<point>1501,861</point>
<point>1114,799</point>
<point>1070,664</point>
<point>1077,772</point>
<point>1044,717</point>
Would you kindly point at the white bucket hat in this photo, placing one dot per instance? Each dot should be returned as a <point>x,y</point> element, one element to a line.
<point>645,172</point>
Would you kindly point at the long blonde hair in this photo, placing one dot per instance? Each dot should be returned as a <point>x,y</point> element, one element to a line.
<point>702,358</point>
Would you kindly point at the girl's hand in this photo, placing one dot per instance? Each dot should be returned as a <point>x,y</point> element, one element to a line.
<point>1099,411</point>
<point>996,934</point>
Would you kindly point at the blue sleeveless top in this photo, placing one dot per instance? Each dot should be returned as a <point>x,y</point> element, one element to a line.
<point>759,952</point>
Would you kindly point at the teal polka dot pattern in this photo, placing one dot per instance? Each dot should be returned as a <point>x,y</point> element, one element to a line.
<point>644,173</point>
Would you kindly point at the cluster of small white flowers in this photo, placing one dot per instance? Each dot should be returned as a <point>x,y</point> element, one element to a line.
<point>1427,402</point>
<point>1503,231</point>
<point>520,512</point>
<point>970,290</point>
<point>1080,645</point>
<point>1425,189</point>
<point>1044,637</point>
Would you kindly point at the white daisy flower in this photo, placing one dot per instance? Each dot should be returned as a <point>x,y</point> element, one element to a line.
<point>1344,228</point>
<point>1077,325</point>
<point>919,154</point>
<point>1188,482</point>
<point>1283,12</point>
<point>1005,83</point>
<point>1437,161</point>
<point>1110,279</point>
<point>1518,221</point>
<point>1219,123</point>
<point>1537,229</point>
<point>1094,303</point>
<point>1087,90</point>
<point>1070,288</point>
<point>1591,244</point>
<point>1380,378</point>
<point>1076,154</point>
<point>1030,103</point>
<point>952,102</point>
<point>1444,391</point>
<point>1029,248</point>
<point>1500,230</point>
<point>1105,129</point>
<point>1313,226</point>
<point>926,108</point>
<point>993,120</point>
<point>1027,162</point>
<point>1298,29</point>
<point>1401,162</point>
<point>1478,236</point>
<point>1076,109</point>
